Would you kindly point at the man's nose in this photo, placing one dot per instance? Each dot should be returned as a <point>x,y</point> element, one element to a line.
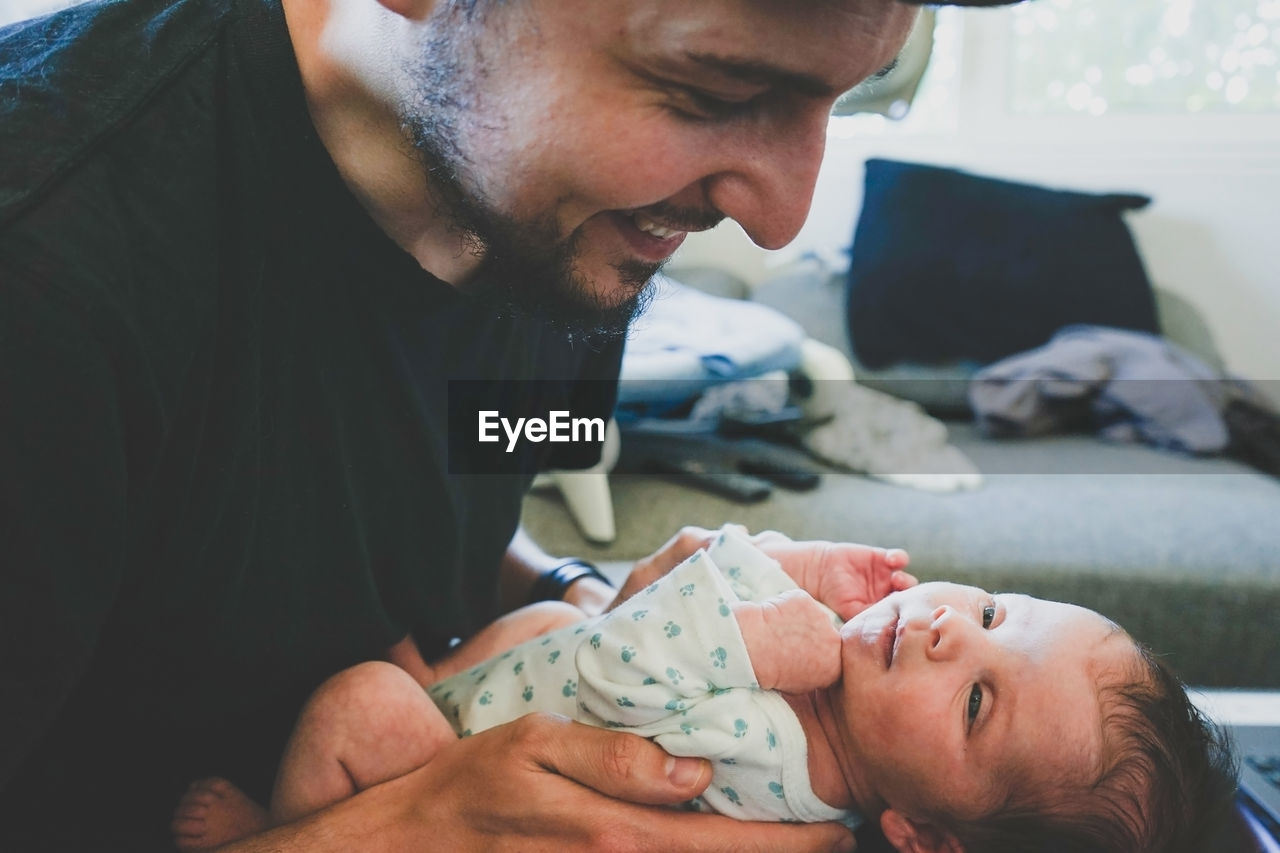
<point>766,182</point>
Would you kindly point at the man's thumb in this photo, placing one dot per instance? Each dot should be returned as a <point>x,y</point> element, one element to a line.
<point>622,765</point>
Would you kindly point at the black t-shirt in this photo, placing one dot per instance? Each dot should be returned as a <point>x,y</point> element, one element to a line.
<point>224,462</point>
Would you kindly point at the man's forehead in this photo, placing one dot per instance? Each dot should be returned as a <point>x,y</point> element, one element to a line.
<point>817,46</point>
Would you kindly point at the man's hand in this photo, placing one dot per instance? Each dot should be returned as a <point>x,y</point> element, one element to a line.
<point>791,642</point>
<point>542,783</point>
<point>845,576</point>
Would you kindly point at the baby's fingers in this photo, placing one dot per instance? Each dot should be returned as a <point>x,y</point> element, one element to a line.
<point>900,580</point>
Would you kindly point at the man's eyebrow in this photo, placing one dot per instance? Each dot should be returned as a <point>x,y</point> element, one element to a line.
<point>762,73</point>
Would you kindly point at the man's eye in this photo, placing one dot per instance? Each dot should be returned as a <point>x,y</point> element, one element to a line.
<point>988,615</point>
<point>705,105</point>
<point>975,703</point>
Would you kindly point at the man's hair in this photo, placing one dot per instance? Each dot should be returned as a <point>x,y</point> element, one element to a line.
<point>961,2</point>
<point>1167,786</point>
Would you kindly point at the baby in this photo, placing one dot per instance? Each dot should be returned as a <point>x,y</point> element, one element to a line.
<point>956,718</point>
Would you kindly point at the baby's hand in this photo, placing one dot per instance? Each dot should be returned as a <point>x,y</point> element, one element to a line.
<point>792,643</point>
<point>845,576</point>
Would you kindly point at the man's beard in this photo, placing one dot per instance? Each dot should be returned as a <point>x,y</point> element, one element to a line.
<point>527,267</point>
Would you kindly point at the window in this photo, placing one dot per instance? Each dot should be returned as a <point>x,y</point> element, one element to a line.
<point>1144,57</point>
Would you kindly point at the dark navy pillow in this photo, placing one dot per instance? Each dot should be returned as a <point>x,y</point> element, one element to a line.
<point>948,265</point>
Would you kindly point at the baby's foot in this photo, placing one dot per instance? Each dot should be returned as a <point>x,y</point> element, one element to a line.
<point>214,812</point>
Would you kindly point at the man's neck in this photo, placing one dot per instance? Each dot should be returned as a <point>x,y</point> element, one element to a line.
<point>825,775</point>
<point>351,59</point>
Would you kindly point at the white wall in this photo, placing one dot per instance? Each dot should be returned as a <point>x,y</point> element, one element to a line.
<point>1211,235</point>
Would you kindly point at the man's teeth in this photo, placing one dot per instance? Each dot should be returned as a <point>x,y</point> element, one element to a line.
<point>652,228</point>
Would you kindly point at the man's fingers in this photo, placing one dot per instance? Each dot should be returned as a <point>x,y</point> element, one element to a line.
<point>621,765</point>
<point>718,834</point>
<point>635,770</point>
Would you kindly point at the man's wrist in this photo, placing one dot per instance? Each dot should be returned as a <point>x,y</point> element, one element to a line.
<point>552,584</point>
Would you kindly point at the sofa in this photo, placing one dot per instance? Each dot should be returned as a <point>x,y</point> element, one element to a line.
<point>1184,552</point>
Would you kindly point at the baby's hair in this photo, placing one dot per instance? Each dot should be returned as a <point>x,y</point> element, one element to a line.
<point>1167,785</point>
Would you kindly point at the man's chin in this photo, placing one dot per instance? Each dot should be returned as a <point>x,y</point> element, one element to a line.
<point>592,309</point>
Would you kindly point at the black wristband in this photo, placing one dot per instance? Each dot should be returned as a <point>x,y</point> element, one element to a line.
<point>552,584</point>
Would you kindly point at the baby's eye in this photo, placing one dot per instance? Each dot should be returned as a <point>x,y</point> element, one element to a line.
<point>988,615</point>
<point>975,703</point>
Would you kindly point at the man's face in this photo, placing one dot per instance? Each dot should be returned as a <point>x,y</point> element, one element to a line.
<point>949,693</point>
<point>579,142</point>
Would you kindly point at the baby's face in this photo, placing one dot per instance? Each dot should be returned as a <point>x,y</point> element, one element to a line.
<point>947,687</point>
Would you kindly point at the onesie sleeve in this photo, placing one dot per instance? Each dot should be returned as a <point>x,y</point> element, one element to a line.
<point>752,574</point>
<point>665,649</point>
<point>670,664</point>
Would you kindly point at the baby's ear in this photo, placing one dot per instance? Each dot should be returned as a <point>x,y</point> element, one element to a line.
<point>911,836</point>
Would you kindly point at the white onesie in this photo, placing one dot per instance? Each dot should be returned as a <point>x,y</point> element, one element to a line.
<point>668,664</point>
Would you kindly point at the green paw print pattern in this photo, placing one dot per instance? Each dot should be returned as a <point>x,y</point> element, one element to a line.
<point>735,573</point>
<point>674,675</point>
<point>595,641</point>
<point>649,679</point>
<point>718,657</point>
<point>554,656</point>
<point>675,705</point>
<point>638,615</point>
<point>518,667</point>
<point>770,739</point>
<point>624,702</point>
<point>570,688</point>
<point>486,697</point>
<point>672,629</point>
<point>528,693</point>
<point>687,590</point>
<point>732,795</point>
<point>739,728</point>
<point>724,608</point>
<point>627,653</point>
<point>689,728</point>
<point>776,788</point>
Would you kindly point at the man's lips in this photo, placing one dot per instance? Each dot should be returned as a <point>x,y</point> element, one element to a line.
<point>653,240</point>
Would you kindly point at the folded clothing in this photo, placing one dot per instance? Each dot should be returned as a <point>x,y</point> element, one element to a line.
<point>1126,386</point>
<point>688,341</point>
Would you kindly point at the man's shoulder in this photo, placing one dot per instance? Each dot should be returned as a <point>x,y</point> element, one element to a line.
<point>68,81</point>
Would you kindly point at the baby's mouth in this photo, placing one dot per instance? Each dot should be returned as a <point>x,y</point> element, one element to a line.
<point>889,641</point>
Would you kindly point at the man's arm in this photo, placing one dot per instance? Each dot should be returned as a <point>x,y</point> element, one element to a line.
<point>541,783</point>
<point>525,561</point>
